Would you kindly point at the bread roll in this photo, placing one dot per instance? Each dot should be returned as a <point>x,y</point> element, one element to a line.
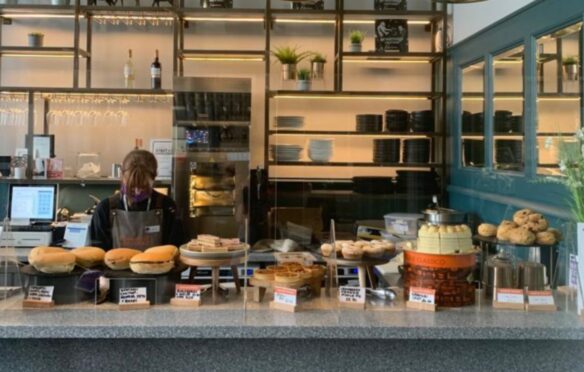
<point>89,257</point>
<point>487,230</point>
<point>326,249</point>
<point>521,217</point>
<point>546,238</point>
<point>119,259</point>
<point>169,251</point>
<point>351,252</point>
<point>40,251</point>
<point>521,236</point>
<point>374,251</point>
<point>504,230</point>
<point>152,262</point>
<point>55,262</point>
<point>538,226</point>
<point>557,233</point>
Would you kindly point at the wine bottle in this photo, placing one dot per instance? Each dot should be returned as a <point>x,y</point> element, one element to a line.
<point>156,73</point>
<point>129,75</point>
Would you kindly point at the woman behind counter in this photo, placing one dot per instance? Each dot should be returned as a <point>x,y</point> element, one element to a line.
<point>137,217</point>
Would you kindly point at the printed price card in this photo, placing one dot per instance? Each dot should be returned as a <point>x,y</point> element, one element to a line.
<point>285,296</point>
<point>352,295</point>
<point>545,298</point>
<point>40,293</point>
<point>187,292</point>
<point>422,295</point>
<point>510,296</point>
<point>133,296</point>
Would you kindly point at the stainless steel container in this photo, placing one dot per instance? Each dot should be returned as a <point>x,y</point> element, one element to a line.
<point>571,72</point>
<point>317,70</point>
<point>500,273</point>
<point>288,72</point>
<point>531,275</point>
<point>444,216</point>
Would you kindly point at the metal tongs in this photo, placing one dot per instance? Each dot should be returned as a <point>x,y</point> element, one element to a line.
<point>382,293</point>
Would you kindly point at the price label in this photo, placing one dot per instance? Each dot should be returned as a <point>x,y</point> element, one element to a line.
<point>573,271</point>
<point>187,292</point>
<point>423,295</point>
<point>132,295</point>
<point>352,295</point>
<point>510,296</point>
<point>540,298</point>
<point>40,293</point>
<point>285,296</point>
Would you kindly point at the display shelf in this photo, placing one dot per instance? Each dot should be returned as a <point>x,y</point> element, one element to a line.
<point>25,51</point>
<point>291,94</point>
<point>304,16</point>
<point>72,181</point>
<point>334,194</point>
<point>558,97</point>
<point>555,134</point>
<point>222,55</point>
<point>212,123</point>
<point>217,14</point>
<point>353,16</point>
<point>88,91</point>
<point>36,11</point>
<point>353,133</point>
<point>410,57</point>
<point>355,164</point>
<point>145,11</point>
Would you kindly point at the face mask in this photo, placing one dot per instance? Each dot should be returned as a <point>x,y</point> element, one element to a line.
<point>137,197</point>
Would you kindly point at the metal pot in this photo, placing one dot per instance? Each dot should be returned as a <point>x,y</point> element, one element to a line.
<point>444,216</point>
<point>532,276</point>
<point>288,72</point>
<point>356,47</point>
<point>500,273</point>
<point>317,69</point>
<point>571,71</point>
<point>303,85</point>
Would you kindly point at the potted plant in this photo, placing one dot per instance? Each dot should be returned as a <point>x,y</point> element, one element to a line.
<point>304,83</point>
<point>571,67</point>
<point>289,58</point>
<point>356,38</point>
<point>35,39</point>
<point>317,61</point>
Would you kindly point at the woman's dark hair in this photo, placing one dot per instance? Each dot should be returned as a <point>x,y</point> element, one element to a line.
<point>139,169</point>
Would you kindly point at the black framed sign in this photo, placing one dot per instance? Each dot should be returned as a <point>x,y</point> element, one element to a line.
<point>391,5</point>
<point>391,35</point>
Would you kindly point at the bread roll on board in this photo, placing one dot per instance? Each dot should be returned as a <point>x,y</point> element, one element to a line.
<point>55,263</point>
<point>119,258</point>
<point>89,257</point>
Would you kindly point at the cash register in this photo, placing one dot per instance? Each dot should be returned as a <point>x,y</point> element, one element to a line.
<point>32,210</point>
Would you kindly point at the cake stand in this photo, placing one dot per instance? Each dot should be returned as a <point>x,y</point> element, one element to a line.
<point>364,267</point>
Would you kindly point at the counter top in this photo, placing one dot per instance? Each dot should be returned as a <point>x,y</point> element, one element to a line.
<point>321,319</point>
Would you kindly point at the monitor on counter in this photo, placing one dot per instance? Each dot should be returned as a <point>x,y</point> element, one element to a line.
<point>36,203</point>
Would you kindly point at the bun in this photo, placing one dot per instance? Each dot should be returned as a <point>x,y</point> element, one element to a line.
<point>89,257</point>
<point>556,233</point>
<point>374,251</point>
<point>40,251</point>
<point>487,230</point>
<point>169,251</point>
<point>351,252</point>
<point>152,262</point>
<point>504,230</point>
<point>326,249</point>
<point>521,217</point>
<point>55,263</point>
<point>119,259</point>
<point>539,225</point>
<point>546,238</point>
<point>521,236</point>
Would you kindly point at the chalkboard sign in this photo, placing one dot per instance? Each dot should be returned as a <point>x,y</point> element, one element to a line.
<point>391,5</point>
<point>391,35</point>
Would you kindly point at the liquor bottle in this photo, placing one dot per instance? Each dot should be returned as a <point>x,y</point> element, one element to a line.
<point>129,75</point>
<point>156,73</point>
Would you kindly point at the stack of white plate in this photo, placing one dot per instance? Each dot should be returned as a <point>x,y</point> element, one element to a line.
<point>283,152</point>
<point>289,122</point>
<point>320,150</point>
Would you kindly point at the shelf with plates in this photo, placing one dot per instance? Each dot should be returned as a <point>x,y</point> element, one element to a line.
<point>24,51</point>
<point>222,55</point>
<point>358,16</point>
<point>88,91</point>
<point>221,15</point>
<point>408,58</point>
<point>212,123</point>
<point>355,164</point>
<point>295,94</point>
<point>353,133</point>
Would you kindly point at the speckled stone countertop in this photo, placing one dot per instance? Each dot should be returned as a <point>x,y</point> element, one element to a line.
<point>322,319</point>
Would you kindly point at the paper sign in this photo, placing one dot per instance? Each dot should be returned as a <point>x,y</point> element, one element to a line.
<point>352,295</point>
<point>40,293</point>
<point>285,296</point>
<point>573,272</point>
<point>510,296</point>
<point>422,295</point>
<point>76,235</point>
<point>162,150</point>
<point>188,292</point>
<point>132,295</point>
<point>540,298</point>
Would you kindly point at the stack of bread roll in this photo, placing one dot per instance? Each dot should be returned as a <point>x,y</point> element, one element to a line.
<point>155,260</point>
<point>351,250</point>
<point>55,260</point>
<point>527,228</point>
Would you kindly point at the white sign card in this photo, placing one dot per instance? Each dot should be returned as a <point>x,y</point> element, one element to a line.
<point>545,298</point>
<point>573,272</point>
<point>162,150</point>
<point>133,295</point>
<point>580,230</point>
<point>286,296</point>
<point>352,295</point>
<point>510,296</point>
<point>422,295</point>
<point>76,235</point>
<point>40,293</point>
<point>42,146</point>
<point>188,292</point>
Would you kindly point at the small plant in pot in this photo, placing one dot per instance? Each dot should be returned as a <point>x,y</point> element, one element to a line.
<point>571,68</point>
<point>35,39</point>
<point>304,82</point>
<point>317,61</point>
<point>289,58</point>
<point>356,38</point>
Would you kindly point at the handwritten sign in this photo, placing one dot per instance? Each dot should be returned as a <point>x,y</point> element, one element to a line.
<point>510,296</point>
<point>187,292</point>
<point>40,293</point>
<point>285,296</point>
<point>540,298</point>
<point>352,295</point>
<point>422,295</point>
<point>133,296</point>
<point>573,271</point>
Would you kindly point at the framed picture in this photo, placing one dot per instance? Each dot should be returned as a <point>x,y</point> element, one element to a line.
<point>308,4</point>
<point>391,35</point>
<point>391,5</point>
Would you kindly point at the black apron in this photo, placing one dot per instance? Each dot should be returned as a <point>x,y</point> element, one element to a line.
<point>135,229</point>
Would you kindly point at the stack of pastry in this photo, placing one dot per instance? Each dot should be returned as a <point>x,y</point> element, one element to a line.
<point>527,228</point>
<point>212,244</point>
<point>289,273</point>
<point>55,260</point>
<point>351,250</point>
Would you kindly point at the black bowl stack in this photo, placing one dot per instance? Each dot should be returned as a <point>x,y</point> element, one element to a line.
<point>369,123</point>
<point>373,185</point>
<point>417,182</point>
<point>474,152</point>
<point>516,124</point>
<point>466,122</point>
<point>417,150</point>
<point>473,123</point>
<point>386,150</point>
<point>509,152</point>
<point>502,121</point>
<point>422,121</point>
<point>396,120</point>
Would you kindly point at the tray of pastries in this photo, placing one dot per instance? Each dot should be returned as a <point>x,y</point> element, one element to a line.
<point>288,274</point>
<point>359,250</point>
<point>212,247</point>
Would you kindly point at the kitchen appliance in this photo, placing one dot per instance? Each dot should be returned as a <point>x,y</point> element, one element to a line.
<point>437,215</point>
<point>500,272</point>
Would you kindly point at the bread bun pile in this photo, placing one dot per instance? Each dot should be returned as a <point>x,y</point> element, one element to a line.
<point>52,260</point>
<point>155,260</point>
<point>351,250</point>
<point>88,257</point>
<point>528,227</point>
<point>119,258</point>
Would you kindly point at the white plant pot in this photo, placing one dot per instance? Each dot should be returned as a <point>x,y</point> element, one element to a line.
<point>303,85</point>
<point>356,48</point>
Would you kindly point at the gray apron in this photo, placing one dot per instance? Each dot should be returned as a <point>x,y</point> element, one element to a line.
<point>135,229</point>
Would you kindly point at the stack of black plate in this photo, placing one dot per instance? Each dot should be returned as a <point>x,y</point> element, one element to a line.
<point>509,152</point>
<point>417,150</point>
<point>516,124</point>
<point>466,122</point>
<point>386,150</point>
<point>477,123</point>
<point>474,152</point>
<point>417,182</point>
<point>369,123</point>
<point>373,185</point>
<point>396,120</point>
<point>422,121</point>
<point>502,121</point>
